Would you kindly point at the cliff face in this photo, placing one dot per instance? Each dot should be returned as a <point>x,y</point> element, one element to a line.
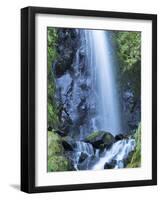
<point>73,84</point>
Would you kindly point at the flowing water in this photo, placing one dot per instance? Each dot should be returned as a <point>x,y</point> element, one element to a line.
<point>118,153</point>
<point>80,149</point>
<point>103,85</point>
<point>103,71</point>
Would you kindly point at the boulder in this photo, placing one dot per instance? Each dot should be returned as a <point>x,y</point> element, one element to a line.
<point>100,139</point>
<point>110,165</point>
<point>82,157</point>
<point>119,137</point>
<point>87,163</point>
<point>67,143</point>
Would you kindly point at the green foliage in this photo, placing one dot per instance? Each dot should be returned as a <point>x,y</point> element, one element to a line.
<point>52,42</point>
<point>58,163</point>
<point>135,160</point>
<point>56,158</point>
<point>54,144</point>
<point>128,47</point>
<point>51,56</point>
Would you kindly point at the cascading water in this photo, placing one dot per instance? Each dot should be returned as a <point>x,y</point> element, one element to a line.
<point>118,153</point>
<point>83,149</point>
<point>102,72</point>
<point>107,118</point>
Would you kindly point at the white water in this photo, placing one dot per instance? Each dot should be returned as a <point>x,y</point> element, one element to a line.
<point>82,147</point>
<point>101,65</point>
<point>118,152</point>
<point>104,85</point>
<point>104,100</point>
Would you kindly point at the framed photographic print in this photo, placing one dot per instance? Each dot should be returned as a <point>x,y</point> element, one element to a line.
<point>88,99</point>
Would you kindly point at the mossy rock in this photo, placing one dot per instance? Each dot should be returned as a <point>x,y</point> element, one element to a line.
<point>58,163</point>
<point>54,144</point>
<point>135,158</point>
<point>100,139</point>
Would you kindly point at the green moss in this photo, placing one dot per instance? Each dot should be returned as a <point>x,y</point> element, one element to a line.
<point>93,135</point>
<point>128,48</point>
<point>52,56</point>
<point>135,160</point>
<point>100,139</point>
<point>107,138</point>
<point>54,144</point>
<point>98,134</point>
<point>58,163</point>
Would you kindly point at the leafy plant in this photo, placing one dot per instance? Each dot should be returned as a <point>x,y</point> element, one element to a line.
<point>51,57</point>
<point>128,48</point>
<point>135,160</point>
<point>57,161</point>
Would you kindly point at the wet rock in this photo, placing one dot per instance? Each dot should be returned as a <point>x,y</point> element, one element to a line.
<point>76,102</point>
<point>122,136</point>
<point>82,157</point>
<point>84,86</point>
<point>87,163</point>
<point>67,144</point>
<point>100,139</point>
<point>110,165</point>
<point>63,84</point>
<point>131,110</point>
<point>66,122</point>
<point>67,40</point>
<point>119,137</point>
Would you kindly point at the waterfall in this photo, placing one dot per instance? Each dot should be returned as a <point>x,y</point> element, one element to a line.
<point>107,118</point>
<point>83,152</point>
<point>84,147</point>
<point>100,62</point>
<point>118,153</point>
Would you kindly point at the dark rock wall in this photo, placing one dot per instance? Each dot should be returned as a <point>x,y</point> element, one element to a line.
<point>72,76</point>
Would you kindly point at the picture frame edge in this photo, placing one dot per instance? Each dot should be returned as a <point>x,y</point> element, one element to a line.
<point>28,100</point>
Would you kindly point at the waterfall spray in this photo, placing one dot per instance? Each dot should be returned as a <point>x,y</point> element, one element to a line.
<point>102,69</point>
